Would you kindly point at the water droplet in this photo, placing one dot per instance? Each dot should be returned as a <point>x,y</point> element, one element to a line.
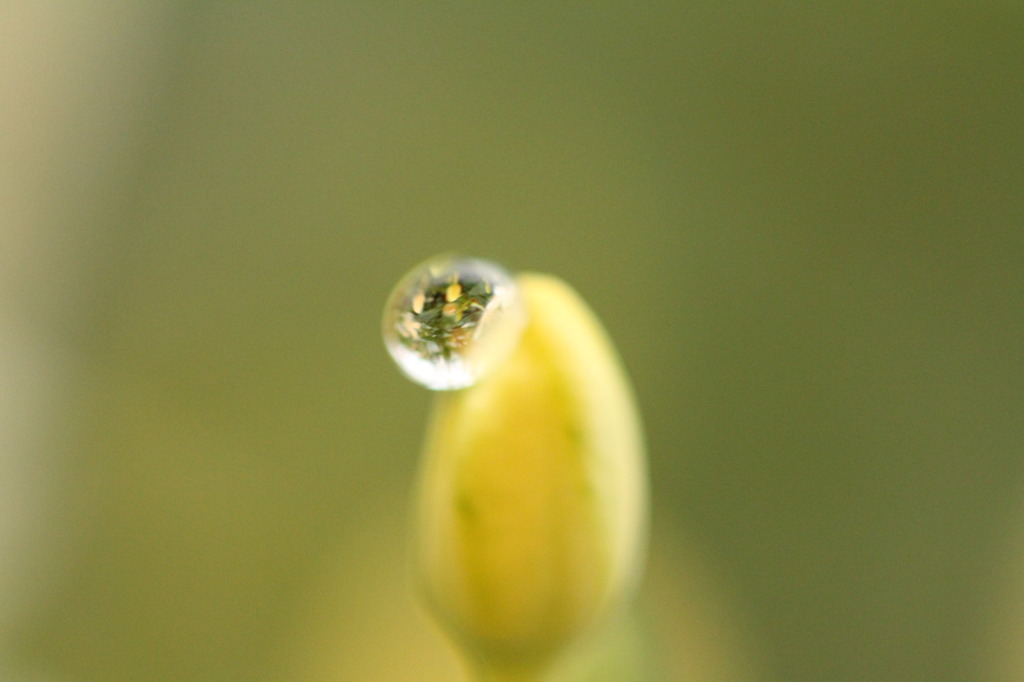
<point>452,320</point>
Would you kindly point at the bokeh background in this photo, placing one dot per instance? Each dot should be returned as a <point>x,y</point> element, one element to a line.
<point>802,223</point>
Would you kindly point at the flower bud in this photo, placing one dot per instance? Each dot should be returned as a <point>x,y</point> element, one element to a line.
<point>532,496</point>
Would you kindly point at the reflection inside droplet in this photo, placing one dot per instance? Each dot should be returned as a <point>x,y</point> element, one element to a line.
<point>452,320</point>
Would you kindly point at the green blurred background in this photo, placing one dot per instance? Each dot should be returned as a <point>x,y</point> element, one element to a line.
<point>802,223</point>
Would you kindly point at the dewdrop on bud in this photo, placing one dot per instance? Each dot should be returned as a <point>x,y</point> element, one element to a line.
<point>452,320</point>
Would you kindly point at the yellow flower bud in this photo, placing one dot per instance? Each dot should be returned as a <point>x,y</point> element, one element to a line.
<point>533,497</point>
